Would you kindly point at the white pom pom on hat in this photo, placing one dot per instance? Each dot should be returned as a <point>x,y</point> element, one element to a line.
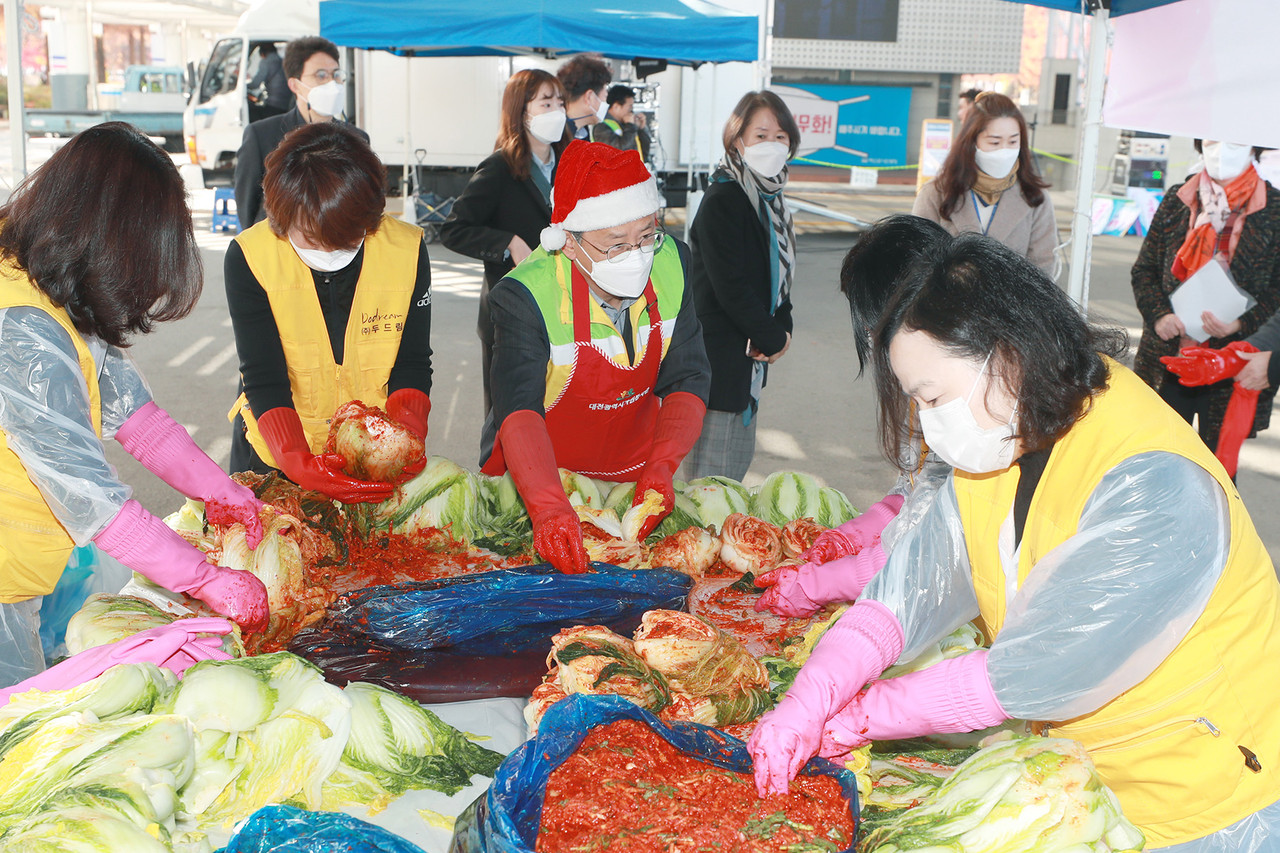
<point>598,186</point>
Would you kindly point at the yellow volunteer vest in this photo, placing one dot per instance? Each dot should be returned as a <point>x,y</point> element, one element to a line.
<point>1169,747</point>
<point>548,279</point>
<point>34,546</point>
<point>383,294</point>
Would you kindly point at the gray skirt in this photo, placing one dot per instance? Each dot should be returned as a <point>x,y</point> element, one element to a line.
<point>724,449</point>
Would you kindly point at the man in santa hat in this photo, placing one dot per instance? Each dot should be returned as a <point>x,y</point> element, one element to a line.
<point>598,360</point>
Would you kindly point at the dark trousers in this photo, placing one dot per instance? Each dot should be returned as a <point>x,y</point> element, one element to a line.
<point>1192,403</point>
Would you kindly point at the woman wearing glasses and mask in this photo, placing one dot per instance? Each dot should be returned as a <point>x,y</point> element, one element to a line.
<point>500,215</point>
<point>319,86</point>
<point>598,362</point>
<point>744,253</point>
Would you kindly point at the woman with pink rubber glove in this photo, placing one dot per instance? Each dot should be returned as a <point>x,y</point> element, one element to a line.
<point>80,272</point>
<point>843,560</point>
<point>1129,600</point>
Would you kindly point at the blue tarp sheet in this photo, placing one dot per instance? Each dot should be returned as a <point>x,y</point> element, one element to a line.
<point>680,31</point>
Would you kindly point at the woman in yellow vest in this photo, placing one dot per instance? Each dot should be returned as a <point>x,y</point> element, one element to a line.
<point>80,273</point>
<point>330,301</point>
<point>1129,601</point>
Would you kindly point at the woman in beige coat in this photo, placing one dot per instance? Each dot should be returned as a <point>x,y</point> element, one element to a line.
<point>988,184</point>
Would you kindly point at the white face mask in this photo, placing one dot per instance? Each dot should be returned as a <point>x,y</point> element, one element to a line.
<point>766,159</point>
<point>1224,161</point>
<point>996,163</point>
<point>952,431</point>
<point>322,261</point>
<point>625,279</point>
<point>547,127</point>
<point>603,110</point>
<point>328,98</point>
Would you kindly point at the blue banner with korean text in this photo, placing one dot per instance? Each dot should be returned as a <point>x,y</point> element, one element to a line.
<point>850,125</point>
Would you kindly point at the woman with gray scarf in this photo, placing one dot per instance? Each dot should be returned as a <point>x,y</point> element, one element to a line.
<point>743,260</point>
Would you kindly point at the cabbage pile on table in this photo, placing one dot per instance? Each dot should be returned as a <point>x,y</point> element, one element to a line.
<point>137,760</point>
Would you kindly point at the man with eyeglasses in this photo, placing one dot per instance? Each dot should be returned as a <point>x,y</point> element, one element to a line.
<point>598,360</point>
<point>319,88</point>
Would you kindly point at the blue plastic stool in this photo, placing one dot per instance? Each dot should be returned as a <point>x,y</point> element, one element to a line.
<point>224,214</point>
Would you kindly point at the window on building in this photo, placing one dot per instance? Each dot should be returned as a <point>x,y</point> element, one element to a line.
<point>1061,97</point>
<point>946,83</point>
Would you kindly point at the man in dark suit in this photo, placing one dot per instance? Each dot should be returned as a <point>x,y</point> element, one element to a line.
<point>311,66</point>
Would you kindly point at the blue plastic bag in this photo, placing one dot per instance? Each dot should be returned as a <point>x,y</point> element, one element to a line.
<point>503,612</point>
<point>506,819</point>
<point>286,829</point>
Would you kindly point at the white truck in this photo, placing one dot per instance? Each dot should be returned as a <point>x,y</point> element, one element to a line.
<point>437,115</point>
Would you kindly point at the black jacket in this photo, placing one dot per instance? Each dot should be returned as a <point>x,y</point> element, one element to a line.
<point>493,207</point>
<point>731,286</point>
<point>260,139</point>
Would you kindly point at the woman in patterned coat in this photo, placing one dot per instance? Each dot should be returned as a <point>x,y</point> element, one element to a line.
<point>1215,212</point>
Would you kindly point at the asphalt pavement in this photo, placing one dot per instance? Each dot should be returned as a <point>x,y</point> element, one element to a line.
<point>816,415</point>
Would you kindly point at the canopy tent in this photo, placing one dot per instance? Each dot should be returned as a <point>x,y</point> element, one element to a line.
<point>679,31</point>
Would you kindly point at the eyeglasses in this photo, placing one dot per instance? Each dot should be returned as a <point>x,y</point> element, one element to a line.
<point>614,254</point>
<point>324,76</point>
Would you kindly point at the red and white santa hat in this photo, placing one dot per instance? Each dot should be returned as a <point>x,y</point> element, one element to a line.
<point>598,186</point>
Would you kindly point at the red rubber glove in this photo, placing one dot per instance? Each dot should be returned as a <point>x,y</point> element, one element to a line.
<point>175,646</point>
<point>1202,366</point>
<point>282,430</point>
<point>1237,423</point>
<point>951,696</point>
<point>679,425</point>
<point>164,447</point>
<point>557,535</point>
<point>410,407</point>
<point>145,544</point>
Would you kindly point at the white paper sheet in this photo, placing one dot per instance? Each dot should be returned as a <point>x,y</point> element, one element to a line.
<point>1211,288</point>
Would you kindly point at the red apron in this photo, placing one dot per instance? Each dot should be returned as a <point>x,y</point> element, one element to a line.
<point>602,423</point>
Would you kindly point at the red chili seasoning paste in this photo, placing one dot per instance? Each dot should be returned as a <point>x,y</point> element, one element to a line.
<point>627,789</point>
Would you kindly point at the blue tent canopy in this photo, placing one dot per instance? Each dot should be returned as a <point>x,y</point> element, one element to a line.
<point>679,31</point>
<point>1118,7</point>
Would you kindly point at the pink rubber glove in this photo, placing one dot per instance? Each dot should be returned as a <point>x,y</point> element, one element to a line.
<point>165,449</point>
<point>145,544</point>
<point>862,643</point>
<point>855,534</point>
<point>952,696</point>
<point>174,646</point>
<point>803,590</point>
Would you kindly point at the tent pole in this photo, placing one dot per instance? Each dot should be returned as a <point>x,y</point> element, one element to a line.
<point>693,152</point>
<point>17,131</point>
<point>410,211</point>
<point>1082,221</point>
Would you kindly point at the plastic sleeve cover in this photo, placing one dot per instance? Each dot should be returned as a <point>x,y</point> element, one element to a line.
<point>122,388</point>
<point>44,413</point>
<point>1101,611</point>
<point>918,490</point>
<point>926,582</point>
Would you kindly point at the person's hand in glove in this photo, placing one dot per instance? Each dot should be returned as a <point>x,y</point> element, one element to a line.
<point>803,590</point>
<point>282,430</point>
<point>165,448</point>
<point>175,646</point>
<point>679,425</point>
<point>145,544</point>
<point>1202,366</point>
<point>855,534</point>
<point>954,695</point>
<point>557,534</point>
<point>410,407</point>
<point>862,643</point>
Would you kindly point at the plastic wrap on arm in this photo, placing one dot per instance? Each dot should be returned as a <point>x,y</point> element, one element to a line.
<point>1101,611</point>
<point>918,490</point>
<point>926,582</point>
<point>123,389</point>
<point>44,413</point>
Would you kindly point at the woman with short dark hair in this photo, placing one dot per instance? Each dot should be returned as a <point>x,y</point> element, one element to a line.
<point>81,272</point>
<point>1127,596</point>
<point>499,217</point>
<point>744,256</point>
<point>330,301</point>
<point>989,184</point>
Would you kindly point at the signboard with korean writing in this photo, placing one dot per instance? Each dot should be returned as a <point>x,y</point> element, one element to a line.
<point>850,125</point>
<point>935,145</point>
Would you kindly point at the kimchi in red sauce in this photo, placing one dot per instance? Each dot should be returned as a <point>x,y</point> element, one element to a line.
<point>627,789</point>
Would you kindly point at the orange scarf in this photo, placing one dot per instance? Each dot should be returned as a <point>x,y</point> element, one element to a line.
<point>1244,194</point>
